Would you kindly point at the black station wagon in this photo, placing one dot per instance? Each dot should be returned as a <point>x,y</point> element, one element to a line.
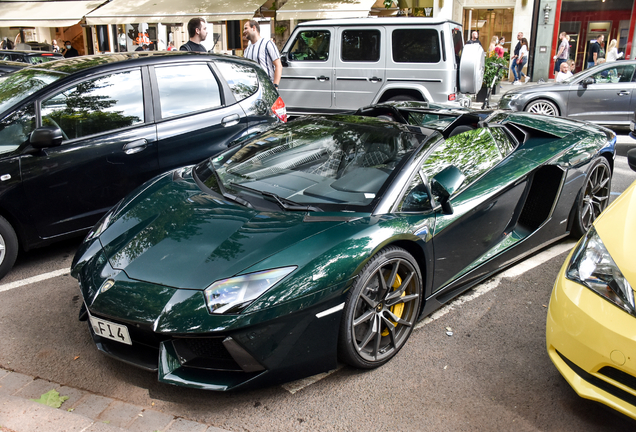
<point>77,135</point>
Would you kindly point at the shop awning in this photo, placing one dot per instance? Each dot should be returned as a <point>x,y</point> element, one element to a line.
<point>316,9</point>
<point>172,11</point>
<point>44,13</point>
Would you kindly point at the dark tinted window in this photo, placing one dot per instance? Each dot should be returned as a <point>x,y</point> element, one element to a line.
<point>311,45</point>
<point>458,43</point>
<point>242,79</point>
<point>416,46</point>
<point>360,45</point>
<point>99,105</point>
<point>16,128</point>
<point>186,88</point>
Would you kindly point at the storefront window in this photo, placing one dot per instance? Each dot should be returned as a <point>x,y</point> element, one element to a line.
<point>489,23</point>
<point>586,21</point>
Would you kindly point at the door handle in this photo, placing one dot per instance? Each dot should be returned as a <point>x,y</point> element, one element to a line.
<point>375,79</point>
<point>230,120</point>
<point>623,93</point>
<point>135,146</point>
<point>323,78</point>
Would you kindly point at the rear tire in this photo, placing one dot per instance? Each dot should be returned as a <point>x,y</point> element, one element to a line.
<point>381,310</point>
<point>8,247</point>
<point>593,198</point>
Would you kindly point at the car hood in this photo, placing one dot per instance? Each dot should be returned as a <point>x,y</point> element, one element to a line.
<point>617,230</point>
<point>540,88</point>
<point>173,234</point>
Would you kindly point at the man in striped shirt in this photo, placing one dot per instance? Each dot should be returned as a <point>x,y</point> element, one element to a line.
<point>262,51</point>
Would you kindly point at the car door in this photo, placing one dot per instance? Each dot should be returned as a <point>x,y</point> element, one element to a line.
<point>359,66</point>
<point>483,207</point>
<point>306,83</point>
<point>195,118</point>
<point>109,148</point>
<point>608,99</point>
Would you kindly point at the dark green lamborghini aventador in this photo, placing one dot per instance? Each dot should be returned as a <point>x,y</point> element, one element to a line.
<point>328,238</point>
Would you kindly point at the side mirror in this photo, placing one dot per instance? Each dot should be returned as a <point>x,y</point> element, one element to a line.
<point>444,184</point>
<point>283,60</point>
<point>46,136</point>
<point>631,159</point>
<point>587,81</point>
<point>418,199</point>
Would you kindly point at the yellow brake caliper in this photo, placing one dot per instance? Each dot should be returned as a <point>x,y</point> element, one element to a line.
<point>398,308</point>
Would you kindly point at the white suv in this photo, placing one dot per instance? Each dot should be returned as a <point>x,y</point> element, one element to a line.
<point>342,65</point>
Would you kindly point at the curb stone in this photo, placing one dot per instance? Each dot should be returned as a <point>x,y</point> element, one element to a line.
<point>81,412</point>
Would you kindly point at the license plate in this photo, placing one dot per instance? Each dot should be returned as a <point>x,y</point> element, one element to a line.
<point>632,126</point>
<point>110,330</point>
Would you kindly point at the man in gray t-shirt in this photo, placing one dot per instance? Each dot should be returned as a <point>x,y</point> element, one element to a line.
<point>564,52</point>
<point>198,31</point>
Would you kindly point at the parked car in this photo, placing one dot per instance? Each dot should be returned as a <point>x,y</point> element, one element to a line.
<point>341,65</point>
<point>7,67</point>
<point>328,237</point>
<point>592,313</point>
<point>77,135</point>
<point>604,94</point>
<point>30,57</point>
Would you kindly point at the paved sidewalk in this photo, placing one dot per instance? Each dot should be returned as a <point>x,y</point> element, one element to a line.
<point>81,412</point>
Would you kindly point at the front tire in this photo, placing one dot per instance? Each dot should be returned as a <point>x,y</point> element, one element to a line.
<point>381,310</point>
<point>8,247</point>
<point>593,198</point>
<point>543,106</point>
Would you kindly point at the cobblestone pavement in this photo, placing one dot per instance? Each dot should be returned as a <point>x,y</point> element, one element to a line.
<point>81,412</point>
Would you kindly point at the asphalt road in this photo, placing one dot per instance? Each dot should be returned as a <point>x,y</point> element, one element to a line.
<point>492,373</point>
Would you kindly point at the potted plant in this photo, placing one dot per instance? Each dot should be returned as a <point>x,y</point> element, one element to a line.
<point>490,70</point>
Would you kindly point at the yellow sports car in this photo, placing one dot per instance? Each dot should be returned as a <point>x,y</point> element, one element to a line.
<point>591,325</point>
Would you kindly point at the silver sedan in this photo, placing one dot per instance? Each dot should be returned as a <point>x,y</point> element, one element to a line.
<point>604,94</point>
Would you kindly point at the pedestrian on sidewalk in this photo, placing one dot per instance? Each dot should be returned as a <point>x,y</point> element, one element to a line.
<point>262,51</point>
<point>521,61</point>
<point>474,38</point>
<point>612,52</point>
<point>594,51</point>
<point>198,31</point>
<point>69,51</point>
<point>564,73</point>
<point>499,49</point>
<point>564,52</point>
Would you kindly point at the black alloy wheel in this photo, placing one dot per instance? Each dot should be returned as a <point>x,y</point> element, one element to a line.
<point>594,196</point>
<point>381,310</point>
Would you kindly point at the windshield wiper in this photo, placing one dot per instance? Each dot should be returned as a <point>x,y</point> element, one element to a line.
<point>284,203</point>
<point>222,190</point>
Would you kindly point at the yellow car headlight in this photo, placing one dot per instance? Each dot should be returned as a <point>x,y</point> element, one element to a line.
<point>592,265</point>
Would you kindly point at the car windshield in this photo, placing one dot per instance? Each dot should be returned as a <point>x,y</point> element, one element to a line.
<point>313,162</point>
<point>21,84</point>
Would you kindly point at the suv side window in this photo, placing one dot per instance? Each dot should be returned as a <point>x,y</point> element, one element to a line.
<point>416,46</point>
<point>458,44</point>
<point>311,45</point>
<point>243,80</point>
<point>185,89</point>
<point>98,105</point>
<point>361,45</point>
